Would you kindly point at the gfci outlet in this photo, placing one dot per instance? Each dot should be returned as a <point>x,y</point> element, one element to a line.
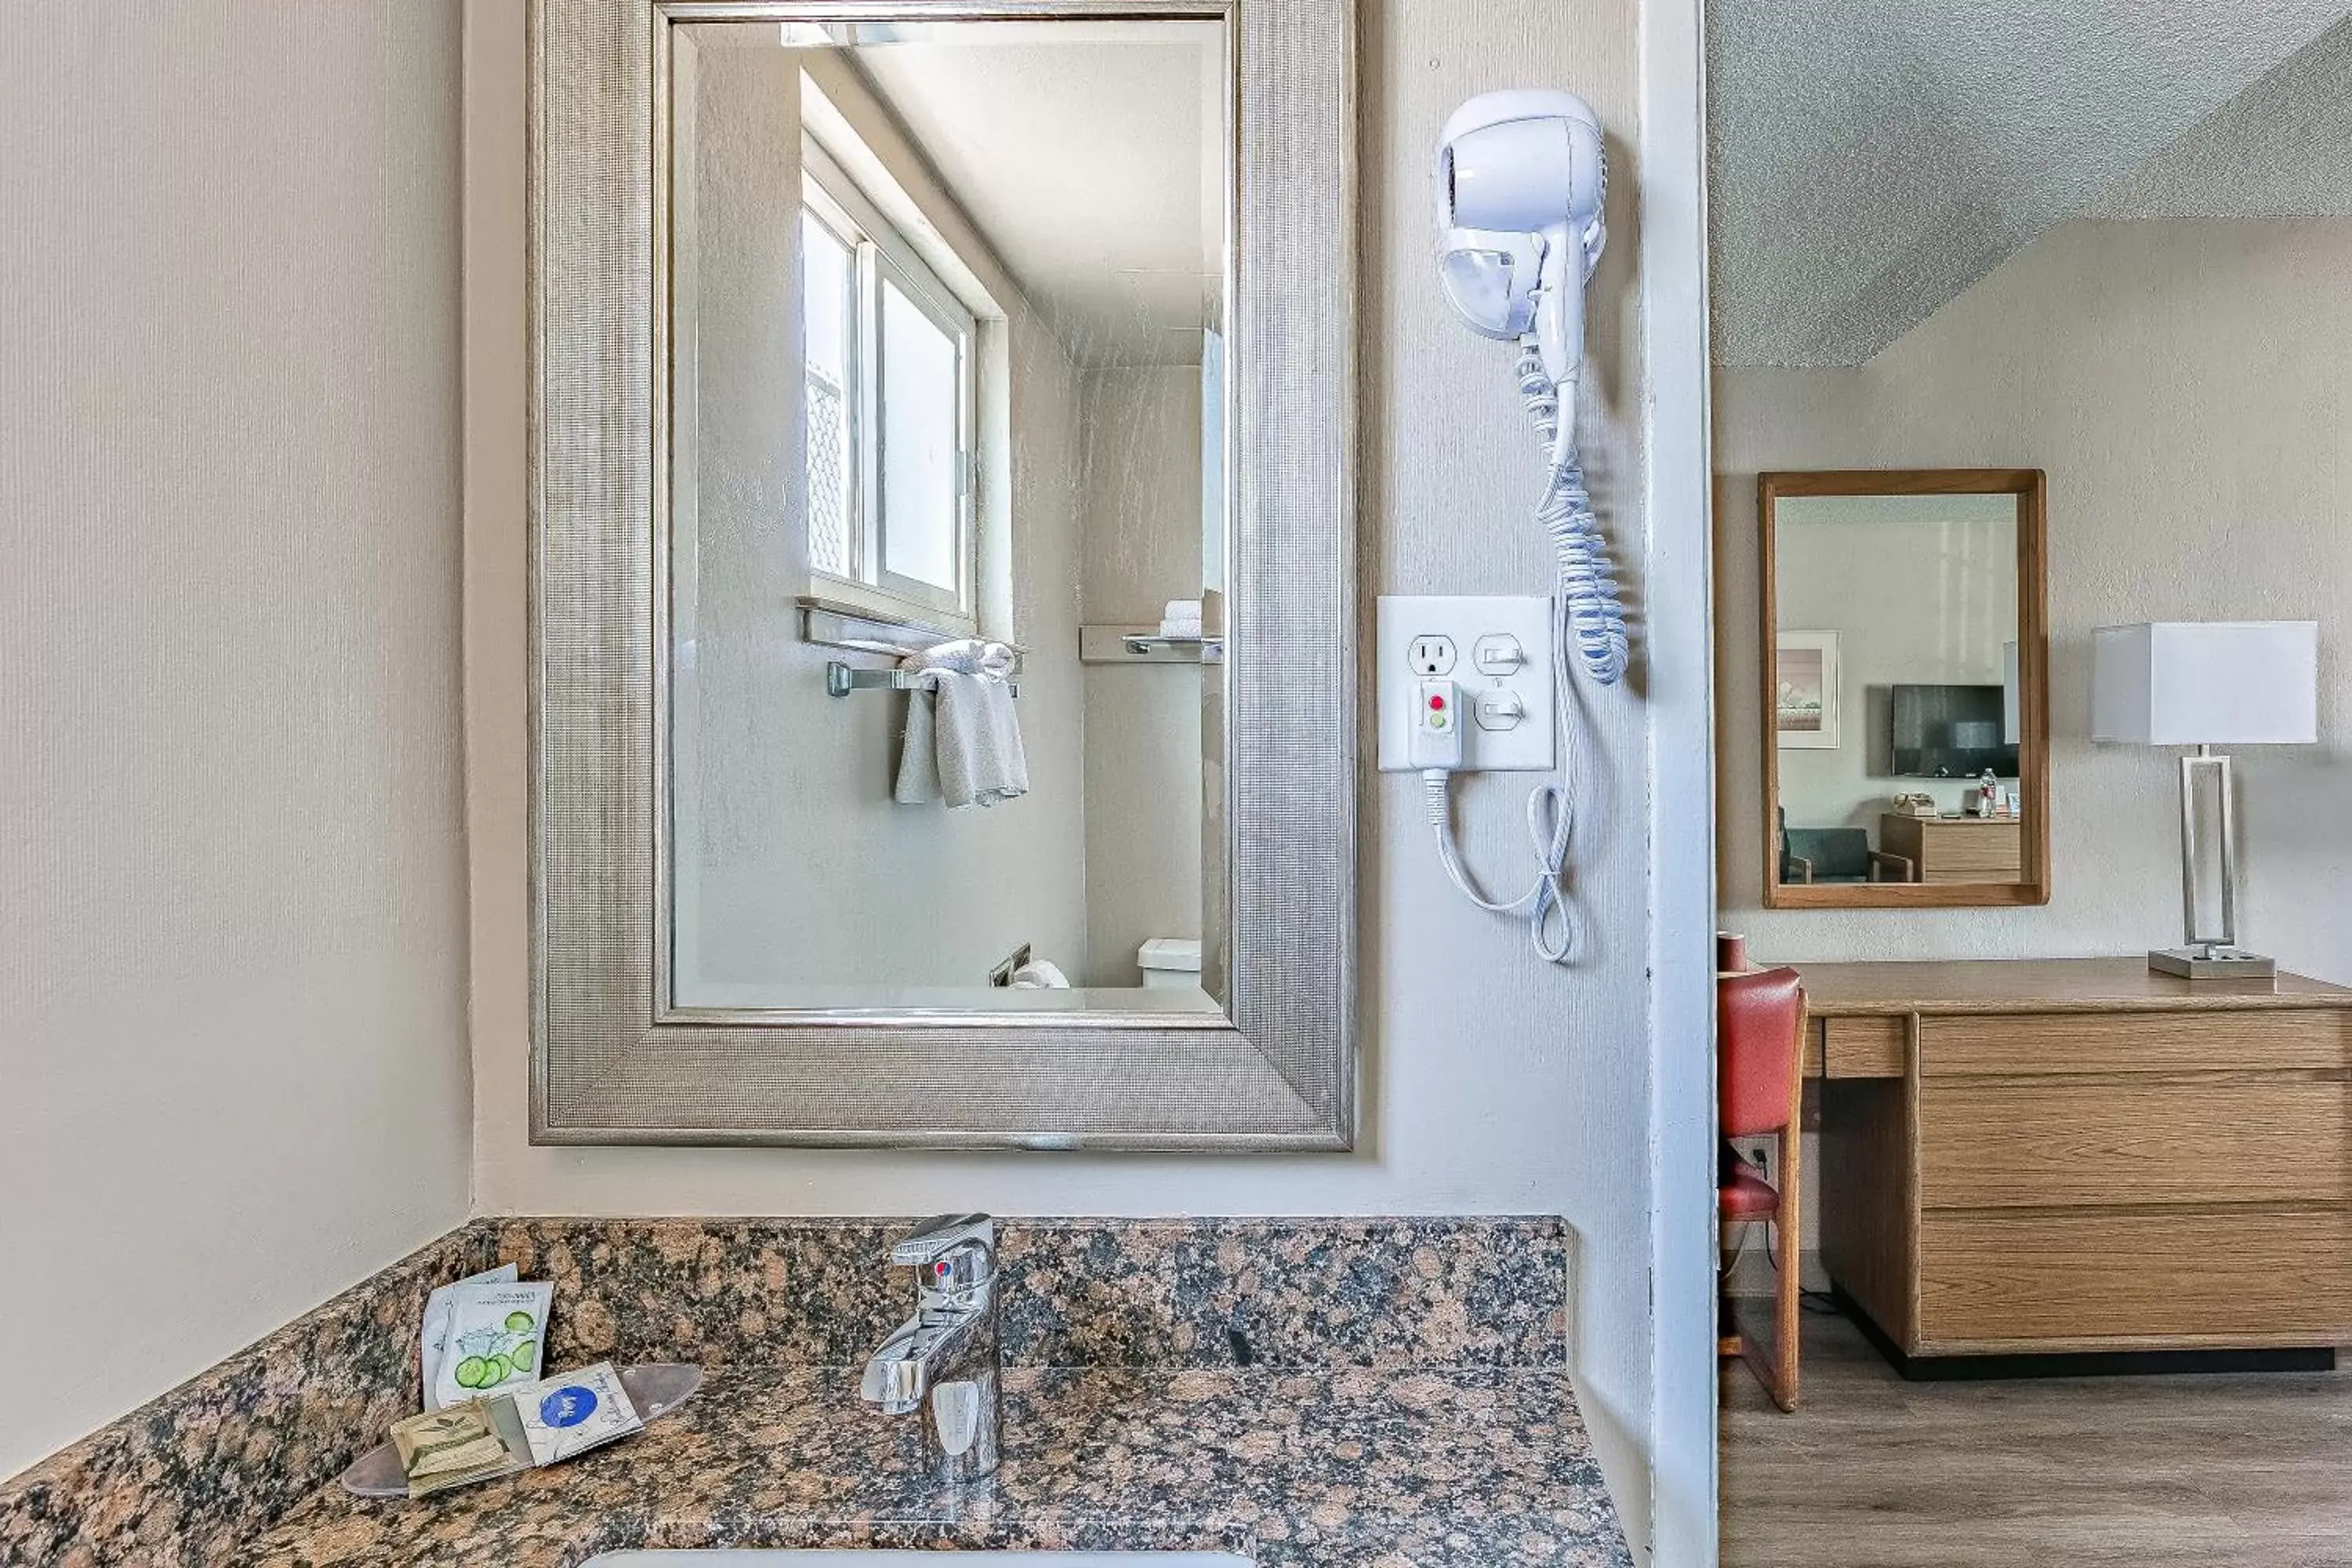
<point>1496,652</point>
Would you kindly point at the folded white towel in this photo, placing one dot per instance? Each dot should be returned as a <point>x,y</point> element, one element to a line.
<point>1040,975</point>
<point>963,735</point>
<point>1180,618</point>
<point>974,655</point>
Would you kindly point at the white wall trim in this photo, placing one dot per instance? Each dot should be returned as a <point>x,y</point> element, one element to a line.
<point>1679,623</point>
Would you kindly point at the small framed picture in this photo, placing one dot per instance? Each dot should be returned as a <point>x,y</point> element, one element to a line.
<point>1805,689</point>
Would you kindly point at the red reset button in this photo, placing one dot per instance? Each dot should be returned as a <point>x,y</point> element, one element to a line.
<point>1438,704</point>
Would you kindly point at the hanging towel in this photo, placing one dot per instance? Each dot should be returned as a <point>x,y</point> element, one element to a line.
<point>1011,776</point>
<point>963,735</point>
<point>1180,618</point>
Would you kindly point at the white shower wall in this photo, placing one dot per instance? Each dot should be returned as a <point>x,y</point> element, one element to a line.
<point>1141,532</point>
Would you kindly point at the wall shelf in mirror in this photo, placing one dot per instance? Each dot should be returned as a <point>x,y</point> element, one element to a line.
<point>1903,666</point>
<point>830,623</point>
<point>1144,643</point>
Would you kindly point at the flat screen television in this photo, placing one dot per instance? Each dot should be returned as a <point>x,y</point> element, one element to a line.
<point>1949,732</point>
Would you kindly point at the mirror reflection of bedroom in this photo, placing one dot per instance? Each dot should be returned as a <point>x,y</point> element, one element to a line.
<point>2030,328</point>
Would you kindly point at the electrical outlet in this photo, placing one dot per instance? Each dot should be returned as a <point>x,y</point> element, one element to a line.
<point>1505,686</point>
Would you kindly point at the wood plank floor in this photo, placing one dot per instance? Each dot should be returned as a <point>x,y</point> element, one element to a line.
<point>2251,1471</point>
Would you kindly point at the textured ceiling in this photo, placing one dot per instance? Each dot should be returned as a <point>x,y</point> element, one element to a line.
<point>1091,157</point>
<point>1869,159</point>
<point>2281,149</point>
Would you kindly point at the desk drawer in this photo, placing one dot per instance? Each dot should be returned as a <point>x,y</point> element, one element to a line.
<point>2133,1139</point>
<point>1994,852</point>
<point>2250,1276</point>
<point>2033,1044</point>
<point>1863,1047</point>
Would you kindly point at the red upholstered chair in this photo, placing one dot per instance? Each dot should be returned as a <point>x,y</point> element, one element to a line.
<point>1759,1023</point>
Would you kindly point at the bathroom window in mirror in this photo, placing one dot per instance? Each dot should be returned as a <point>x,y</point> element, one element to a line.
<point>1904,708</point>
<point>946,516</point>
<point>889,410</point>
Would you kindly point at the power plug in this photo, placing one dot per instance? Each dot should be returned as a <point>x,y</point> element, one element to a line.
<point>1436,741</point>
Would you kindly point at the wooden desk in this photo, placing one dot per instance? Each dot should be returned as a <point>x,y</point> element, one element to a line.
<point>2037,1157</point>
<point>1955,849</point>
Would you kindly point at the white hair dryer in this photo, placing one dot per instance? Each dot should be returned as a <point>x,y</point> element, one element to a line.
<point>1521,181</point>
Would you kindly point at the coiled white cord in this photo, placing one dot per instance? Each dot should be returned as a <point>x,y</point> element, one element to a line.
<point>1592,612</point>
<point>1594,615</point>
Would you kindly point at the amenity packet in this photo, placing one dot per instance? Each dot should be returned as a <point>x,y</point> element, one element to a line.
<point>498,1335</point>
<point>567,1415</point>
<point>477,1440</point>
<point>433,1339</point>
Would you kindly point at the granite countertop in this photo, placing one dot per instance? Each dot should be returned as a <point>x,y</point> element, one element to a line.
<point>1371,1468</point>
<point>1355,1393</point>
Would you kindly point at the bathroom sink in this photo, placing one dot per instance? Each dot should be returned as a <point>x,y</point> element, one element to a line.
<point>797,1558</point>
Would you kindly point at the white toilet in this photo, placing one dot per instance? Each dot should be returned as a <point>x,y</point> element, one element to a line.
<point>1170,962</point>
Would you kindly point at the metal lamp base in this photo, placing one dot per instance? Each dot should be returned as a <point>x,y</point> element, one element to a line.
<point>2211,962</point>
<point>2217,956</point>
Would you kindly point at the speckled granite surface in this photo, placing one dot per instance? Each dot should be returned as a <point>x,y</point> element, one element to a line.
<point>1355,1467</point>
<point>185,1476</point>
<point>1408,1405</point>
<point>1077,1293</point>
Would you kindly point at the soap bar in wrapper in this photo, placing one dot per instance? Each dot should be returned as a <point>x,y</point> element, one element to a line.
<point>479,1440</point>
<point>569,1414</point>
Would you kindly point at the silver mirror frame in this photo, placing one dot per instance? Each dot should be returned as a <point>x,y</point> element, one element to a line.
<point>611,1064</point>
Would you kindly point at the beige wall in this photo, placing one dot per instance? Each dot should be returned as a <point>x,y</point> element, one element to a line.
<point>1493,1082</point>
<point>1141,544</point>
<point>2187,386</point>
<point>232,903</point>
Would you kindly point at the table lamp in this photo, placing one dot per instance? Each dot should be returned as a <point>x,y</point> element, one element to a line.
<point>2207,684</point>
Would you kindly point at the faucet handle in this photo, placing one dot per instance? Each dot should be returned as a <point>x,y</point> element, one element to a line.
<point>955,1251</point>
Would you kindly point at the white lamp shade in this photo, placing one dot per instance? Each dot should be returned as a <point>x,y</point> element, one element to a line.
<point>2206,683</point>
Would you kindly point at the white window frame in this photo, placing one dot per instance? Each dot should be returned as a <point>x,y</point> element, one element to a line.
<point>879,250</point>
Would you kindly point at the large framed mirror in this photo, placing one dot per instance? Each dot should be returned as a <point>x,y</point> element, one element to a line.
<point>1904,699</point>
<point>943,573</point>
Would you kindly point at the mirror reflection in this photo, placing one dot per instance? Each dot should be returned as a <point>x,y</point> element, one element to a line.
<point>946,513</point>
<point>1897,718</point>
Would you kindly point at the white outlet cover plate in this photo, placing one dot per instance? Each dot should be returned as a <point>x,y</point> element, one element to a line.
<point>1464,619</point>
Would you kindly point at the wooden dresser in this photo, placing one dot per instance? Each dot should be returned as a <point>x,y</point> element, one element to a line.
<point>1955,849</point>
<point>2083,1156</point>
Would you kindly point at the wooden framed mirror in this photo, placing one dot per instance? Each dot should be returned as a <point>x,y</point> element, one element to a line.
<point>1904,695</point>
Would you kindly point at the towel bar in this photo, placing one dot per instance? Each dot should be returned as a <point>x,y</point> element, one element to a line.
<point>1209,646</point>
<point>841,680</point>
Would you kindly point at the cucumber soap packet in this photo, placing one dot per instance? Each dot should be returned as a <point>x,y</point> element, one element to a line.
<point>497,1337</point>
<point>433,1340</point>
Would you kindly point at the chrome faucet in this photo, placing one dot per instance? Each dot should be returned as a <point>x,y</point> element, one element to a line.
<point>943,1360</point>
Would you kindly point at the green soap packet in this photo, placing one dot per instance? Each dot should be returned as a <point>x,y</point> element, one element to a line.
<point>433,1341</point>
<point>497,1336</point>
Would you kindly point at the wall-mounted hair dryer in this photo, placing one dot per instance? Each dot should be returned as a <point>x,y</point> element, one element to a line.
<point>1521,181</point>
<point>1521,184</point>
